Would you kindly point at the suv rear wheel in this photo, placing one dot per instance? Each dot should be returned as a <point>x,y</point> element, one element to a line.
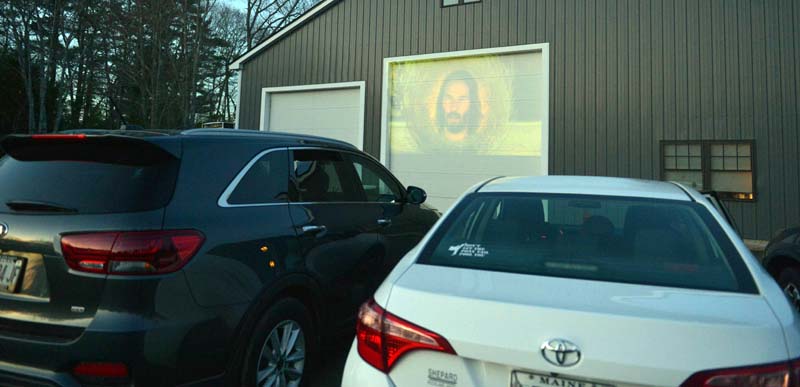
<point>281,347</point>
<point>790,283</point>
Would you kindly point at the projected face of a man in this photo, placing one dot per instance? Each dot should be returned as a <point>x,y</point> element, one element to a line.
<point>456,104</point>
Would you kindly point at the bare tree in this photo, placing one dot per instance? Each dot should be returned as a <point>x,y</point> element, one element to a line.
<point>264,17</point>
<point>155,63</point>
<point>229,33</point>
<point>18,19</point>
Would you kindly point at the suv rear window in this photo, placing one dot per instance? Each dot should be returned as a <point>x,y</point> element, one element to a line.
<point>616,239</point>
<point>86,186</point>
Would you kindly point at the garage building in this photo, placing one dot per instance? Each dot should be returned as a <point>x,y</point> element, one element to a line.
<point>449,92</point>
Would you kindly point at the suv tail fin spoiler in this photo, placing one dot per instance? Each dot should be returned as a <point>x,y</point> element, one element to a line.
<point>110,149</point>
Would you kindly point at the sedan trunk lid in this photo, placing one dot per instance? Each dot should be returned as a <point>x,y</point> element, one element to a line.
<point>627,334</point>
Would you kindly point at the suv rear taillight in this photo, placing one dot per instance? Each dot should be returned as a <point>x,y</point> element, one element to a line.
<point>130,253</point>
<point>74,137</point>
<point>384,338</point>
<point>773,375</point>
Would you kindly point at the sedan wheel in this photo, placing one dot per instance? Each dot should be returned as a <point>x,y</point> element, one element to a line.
<point>283,356</point>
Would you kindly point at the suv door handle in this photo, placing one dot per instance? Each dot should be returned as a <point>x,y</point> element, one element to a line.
<point>384,222</point>
<point>313,229</point>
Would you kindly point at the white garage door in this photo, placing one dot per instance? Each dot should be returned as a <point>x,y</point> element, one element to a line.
<point>334,112</point>
<point>453,120</point>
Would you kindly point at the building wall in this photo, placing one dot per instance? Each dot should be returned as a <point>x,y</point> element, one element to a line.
<point>625,74</point>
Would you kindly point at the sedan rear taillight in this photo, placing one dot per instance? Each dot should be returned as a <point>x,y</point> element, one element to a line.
<point>384,338</point>
<point>773,375</point>
<point>130,253</point>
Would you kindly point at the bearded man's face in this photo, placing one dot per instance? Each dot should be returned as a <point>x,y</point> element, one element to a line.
<point>455,105</point>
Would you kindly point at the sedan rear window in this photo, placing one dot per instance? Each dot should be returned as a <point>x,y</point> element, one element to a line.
<point>617,239</point>
<point>86,187</point>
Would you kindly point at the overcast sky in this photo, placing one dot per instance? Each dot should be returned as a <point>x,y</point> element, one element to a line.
<point>240,4</point>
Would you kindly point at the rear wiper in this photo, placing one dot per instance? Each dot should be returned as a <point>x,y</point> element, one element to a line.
<point>36,206</point>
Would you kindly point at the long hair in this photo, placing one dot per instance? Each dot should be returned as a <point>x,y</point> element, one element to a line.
<point>473,115</point>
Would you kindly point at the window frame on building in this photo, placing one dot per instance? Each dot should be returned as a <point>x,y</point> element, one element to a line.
<point>706,165</point>
<point>459,2</point>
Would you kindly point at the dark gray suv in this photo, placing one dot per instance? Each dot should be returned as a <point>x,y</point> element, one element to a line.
<point>203,257</point>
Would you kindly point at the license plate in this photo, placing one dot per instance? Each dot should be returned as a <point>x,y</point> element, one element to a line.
<point>527,379</point>
<point>10,273</point>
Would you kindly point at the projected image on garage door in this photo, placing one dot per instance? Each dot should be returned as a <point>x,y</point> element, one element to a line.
<point>488,105</point>
<point>457,120</point>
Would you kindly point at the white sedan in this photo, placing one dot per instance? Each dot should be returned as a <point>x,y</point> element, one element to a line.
<point>578,282</point>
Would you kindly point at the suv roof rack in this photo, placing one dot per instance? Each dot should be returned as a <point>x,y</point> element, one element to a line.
<point>276,135</point>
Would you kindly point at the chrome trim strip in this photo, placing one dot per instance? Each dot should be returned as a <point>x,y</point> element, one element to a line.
<point>339,203</point>
<point>223,199</point>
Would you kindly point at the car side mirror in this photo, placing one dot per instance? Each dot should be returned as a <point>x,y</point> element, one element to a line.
<point>416,195</point>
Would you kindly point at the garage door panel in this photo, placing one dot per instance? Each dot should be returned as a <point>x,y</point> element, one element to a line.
<point>315,119</point>
<point>333,113</point>
<point>345,114</point>
<point>290,100</point>
<point>291,120</point>
<point>336,99</point>
<point>456,164</point>
<point>454,122</point>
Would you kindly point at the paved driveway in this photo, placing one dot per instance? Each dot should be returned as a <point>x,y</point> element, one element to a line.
<point>332,360</point>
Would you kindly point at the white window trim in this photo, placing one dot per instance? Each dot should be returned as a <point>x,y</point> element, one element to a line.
<point>239,74</point>
<point>543,48</point>
<point>267,92</point>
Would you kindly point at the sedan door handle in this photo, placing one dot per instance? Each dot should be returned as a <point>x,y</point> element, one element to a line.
<point>384,222</point>
<point>313,229</point>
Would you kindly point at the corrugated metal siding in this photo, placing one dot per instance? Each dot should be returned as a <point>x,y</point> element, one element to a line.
<point>625,74</point>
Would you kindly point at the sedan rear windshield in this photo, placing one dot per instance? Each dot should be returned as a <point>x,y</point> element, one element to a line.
<point>87,187</point>
<point>617,239</point>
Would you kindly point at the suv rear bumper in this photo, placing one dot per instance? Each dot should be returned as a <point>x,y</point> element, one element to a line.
<point>167,354</point>
<point>176,342</point>
<point>18,376</point>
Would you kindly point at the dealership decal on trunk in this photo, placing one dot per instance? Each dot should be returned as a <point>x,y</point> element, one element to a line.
<point>441,378</point>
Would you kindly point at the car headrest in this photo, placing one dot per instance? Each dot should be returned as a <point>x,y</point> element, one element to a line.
<point>523,210</point>
<point>658,245</point>
<point>642,217</point>
<point>313,182</point>
<point>598,225</point>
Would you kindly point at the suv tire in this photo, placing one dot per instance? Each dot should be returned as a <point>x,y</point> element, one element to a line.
<point>281,348</point>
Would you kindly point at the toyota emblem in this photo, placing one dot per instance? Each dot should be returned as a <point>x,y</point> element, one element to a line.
<point>561,353</point>
<point>3,229</point>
